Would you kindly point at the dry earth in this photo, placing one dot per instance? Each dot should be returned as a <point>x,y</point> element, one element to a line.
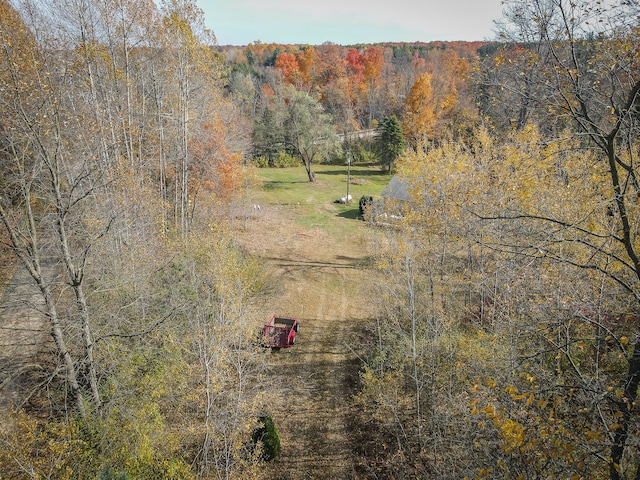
<point>319,279</point>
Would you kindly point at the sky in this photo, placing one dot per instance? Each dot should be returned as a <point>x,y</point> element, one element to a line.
<point>345,22</point>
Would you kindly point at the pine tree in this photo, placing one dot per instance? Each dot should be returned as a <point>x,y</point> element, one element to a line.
<point>391,141</point>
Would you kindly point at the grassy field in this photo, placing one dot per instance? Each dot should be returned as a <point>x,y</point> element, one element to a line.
<point>317,267</point>
<point>313,203</point>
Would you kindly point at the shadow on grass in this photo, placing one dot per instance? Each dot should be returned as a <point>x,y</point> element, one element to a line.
<point>353,214</point>
<point>355,172</point>
<point>290,265</point>
<point>275,184</point>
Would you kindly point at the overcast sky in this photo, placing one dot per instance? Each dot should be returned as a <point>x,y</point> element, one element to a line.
<point>240,22</point>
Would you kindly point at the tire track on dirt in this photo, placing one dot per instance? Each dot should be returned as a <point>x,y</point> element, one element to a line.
<point>315,377</point>
<point>327,451</point>
<point>315,440</point>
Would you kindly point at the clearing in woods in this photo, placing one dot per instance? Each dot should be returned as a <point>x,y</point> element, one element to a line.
<point>318,272</point>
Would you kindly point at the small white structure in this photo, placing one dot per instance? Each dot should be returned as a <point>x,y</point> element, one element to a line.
<point>396,190</point>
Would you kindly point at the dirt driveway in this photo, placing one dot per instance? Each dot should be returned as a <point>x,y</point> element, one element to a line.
<point>319,278</point>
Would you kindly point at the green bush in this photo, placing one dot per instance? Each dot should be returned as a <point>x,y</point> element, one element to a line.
<point>280,160</point>
<point>107,474</point>
<point>284,160</point>
<point>267,434</point>
<point>260,162</point>
<point>363,151</point>
<point>369,157</point>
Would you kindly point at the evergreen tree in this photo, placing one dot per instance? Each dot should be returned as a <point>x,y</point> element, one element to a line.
<point>391,141</point>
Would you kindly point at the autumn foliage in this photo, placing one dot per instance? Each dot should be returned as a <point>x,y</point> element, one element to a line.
<point>504,339</point>
<point>216,167</point>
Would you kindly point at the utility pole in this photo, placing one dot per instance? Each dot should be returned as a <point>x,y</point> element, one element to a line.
<point>348,175</point>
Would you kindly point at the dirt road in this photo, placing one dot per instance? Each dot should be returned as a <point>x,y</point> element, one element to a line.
<point>318,278</point>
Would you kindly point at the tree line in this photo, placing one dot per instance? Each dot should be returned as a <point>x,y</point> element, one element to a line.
<point>347,89</point>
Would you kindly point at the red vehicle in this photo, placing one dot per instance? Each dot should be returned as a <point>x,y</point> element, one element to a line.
<point>280,332</point>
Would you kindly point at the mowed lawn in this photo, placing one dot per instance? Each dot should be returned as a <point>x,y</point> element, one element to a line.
<point>313,204</point>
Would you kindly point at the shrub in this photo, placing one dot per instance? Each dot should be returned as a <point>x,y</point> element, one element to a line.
<point>267,434</point>
<point>284,160</point>
<point>107,474</point>
<point>281,160</point>
<point>261,162</point>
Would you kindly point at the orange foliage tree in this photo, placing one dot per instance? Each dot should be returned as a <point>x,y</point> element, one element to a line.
<point>372,62</point>
<point>307,63</point>
<point>420,111</point>
<point>355,64</point>
<point>440,103</point>
<point>288,64</point>
<point>215,167</point>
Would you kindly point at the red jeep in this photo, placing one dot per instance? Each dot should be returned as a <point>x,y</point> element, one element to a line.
<point>280,332</point>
